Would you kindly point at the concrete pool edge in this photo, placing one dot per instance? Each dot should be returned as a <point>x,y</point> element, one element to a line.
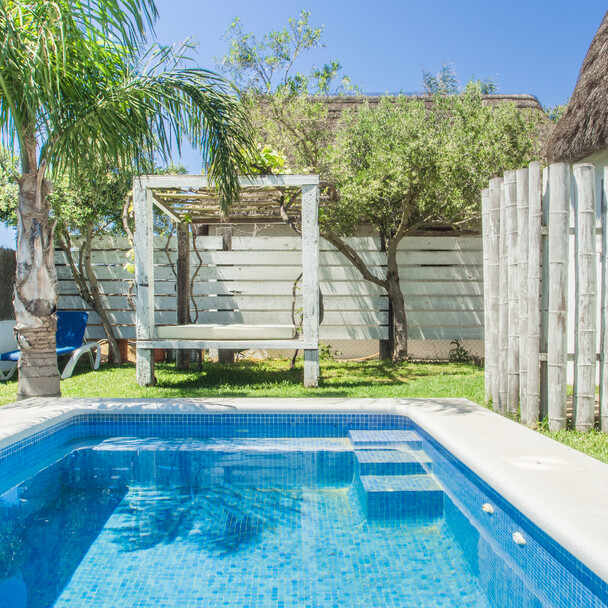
<point>562,491</point>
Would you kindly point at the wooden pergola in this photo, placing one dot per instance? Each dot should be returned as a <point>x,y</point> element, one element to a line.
<point>191,198</point>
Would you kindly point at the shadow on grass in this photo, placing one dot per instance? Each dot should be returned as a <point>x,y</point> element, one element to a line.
<point>334,375</point>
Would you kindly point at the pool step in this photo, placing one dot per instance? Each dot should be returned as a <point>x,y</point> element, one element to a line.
<point>392,462</point>
<point>385,439</point>
<point>400,496</point>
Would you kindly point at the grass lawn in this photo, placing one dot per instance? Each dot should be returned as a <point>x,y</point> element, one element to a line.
<point>594,443</point>
<point>273,378</point>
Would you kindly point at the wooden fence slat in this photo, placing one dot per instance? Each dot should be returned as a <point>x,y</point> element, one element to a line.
<point>586,292</point>
<point>559,178</point>
<point>530,414</point>
<point>522,286</point>
<point>512,406</point>
<point>485,219</point>
<point>441,243</point>
<point>544,294</point>
<point>503,323</point>
<point>492,353</point>
<point>604,307</point>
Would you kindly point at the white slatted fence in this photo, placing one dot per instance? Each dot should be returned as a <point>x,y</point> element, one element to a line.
<point>253,283</point>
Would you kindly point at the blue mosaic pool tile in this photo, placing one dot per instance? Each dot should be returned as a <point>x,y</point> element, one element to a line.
<point>482,547</point>
<point>392,462</point>
<point>397,496</point>
<point>510,572</point>
<point>383,439</point>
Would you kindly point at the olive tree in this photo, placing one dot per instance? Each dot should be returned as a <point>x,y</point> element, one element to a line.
<point>401,166</point>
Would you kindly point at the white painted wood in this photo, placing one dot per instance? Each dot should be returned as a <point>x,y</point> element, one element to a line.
<point>522,275</point>
<point>492,350</point>
<point>453,289</point>
<point>372,244</point>
<point>559,218</point>
<point>457,332</point>
<point>166,210</point>
<point>604,305</point>
<point>503,315</point>
<point>310,282</point>
<point>530,414</point>
<point>221,344</point>
<point>544,295</point>
<point>586,294</point>
<point>512,405</point>
<point>430,290</point>
<point>441,243</point>
<point>358,332</point>
<point>485,220</point>
<point>437,273</point>
<point>197,182</point>
<point>257,257</point>
<point>144,277</point>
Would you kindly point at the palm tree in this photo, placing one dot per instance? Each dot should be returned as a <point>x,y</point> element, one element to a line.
<point>75,91</point>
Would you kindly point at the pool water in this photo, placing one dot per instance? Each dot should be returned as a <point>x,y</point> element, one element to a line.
<point>282,521</point>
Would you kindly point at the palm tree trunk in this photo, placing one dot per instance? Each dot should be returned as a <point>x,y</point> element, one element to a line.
<point>36,292</point>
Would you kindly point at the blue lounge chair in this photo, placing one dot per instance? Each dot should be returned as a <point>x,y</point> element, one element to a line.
<point>71,325</point>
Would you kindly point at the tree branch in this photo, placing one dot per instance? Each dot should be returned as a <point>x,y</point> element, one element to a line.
<point>353,257</point>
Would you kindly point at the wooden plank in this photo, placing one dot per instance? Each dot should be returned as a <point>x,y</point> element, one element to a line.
<point>144,277</point>
<point>272,273</point>
<point>436,273</point>
<point>485,207</point>
<point>544,293</point>
<point>523,188</point>
<point>432,317</point>
<point>442,288</point>
<point>289,258</point>
<point>492,344</point>
<point>559,214</point>
<point>437,307</point>
<point>294,243</point>
<point>360,332</point>
<point>531,414</point>
<point>604,306</point>
<point>103,273</point>
<point>310,282</point>
<point>198,182</point>
<point>503,311</point>
<point>445,333</point>
<point>253,303</point>
<point>512,294</point>
<point>583,403</point>
<point>441,303</point>
<point>441,243</point>
<point>341,288</point>
<point>225,344</point>
<point>440,258</point>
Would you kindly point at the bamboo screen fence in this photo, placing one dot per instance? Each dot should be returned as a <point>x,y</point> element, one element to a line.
<point>545,244</point>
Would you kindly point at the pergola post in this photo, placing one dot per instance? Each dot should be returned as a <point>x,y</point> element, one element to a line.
<point>144,280</point>
<point>310,281</point>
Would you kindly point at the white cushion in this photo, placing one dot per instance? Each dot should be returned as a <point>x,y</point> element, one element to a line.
<point>226,332</point>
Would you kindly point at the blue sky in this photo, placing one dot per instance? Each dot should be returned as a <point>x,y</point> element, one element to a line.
<point>533,46</point>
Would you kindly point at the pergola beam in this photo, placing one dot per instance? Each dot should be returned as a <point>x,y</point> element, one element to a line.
<point>198,182</point>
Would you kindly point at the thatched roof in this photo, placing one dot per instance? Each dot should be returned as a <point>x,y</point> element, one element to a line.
<point>583,129</point>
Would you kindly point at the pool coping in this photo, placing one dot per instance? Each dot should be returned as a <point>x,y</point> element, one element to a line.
<point>561,490</point>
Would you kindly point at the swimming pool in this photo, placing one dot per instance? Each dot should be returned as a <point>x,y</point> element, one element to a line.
<point>202,504</point>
